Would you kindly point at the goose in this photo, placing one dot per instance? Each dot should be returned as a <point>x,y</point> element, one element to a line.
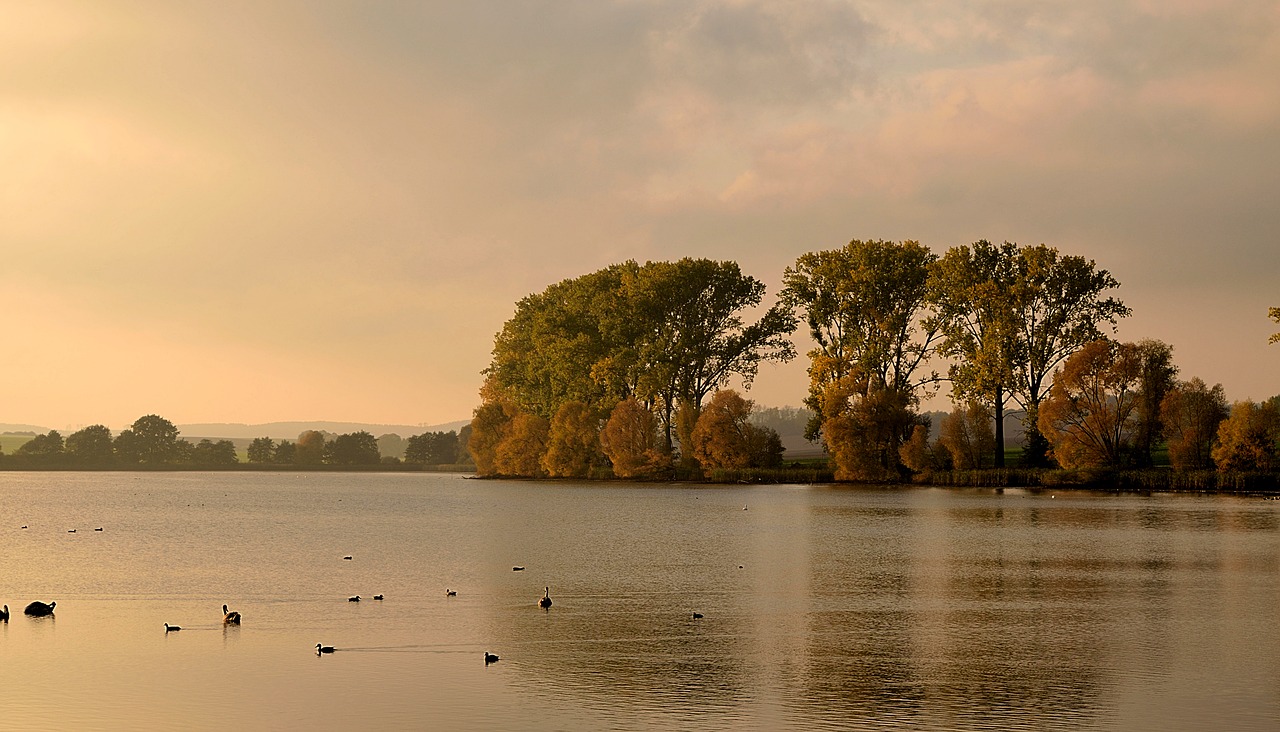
<point>450,593</point>
<point>230,617</point>
<point>353,598</point>
<point>323,649</point>
<point>697,615</point>
<point>545,602</point>
<point>38,608</point>
<point>489,658</point>
<point>170,628</point>
<point>4,614</point>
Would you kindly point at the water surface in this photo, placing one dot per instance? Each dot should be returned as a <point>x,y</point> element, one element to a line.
<point>824,607</point>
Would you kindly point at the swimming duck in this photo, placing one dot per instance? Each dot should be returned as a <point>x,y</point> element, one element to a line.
<point>450,593</point>
<point>489,658</point>
<point>170,628</point>
<point>323,649</point>
<point>353,598</point>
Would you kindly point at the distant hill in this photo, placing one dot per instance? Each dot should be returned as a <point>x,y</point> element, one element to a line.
<point>291,430</point>
<point>24,428</point>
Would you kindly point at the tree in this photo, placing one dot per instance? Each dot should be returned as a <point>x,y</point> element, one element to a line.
<point>630,441</point>
<point>720,439</point>
<point>490,424</point>
<point>286,453</point>
<point>1249,440</point>
<point>862,426</point>
<point>1090,416</point>
<point>262,450</point>
<point>1274,314</point>
<point>44,448</point>
<point>208,453</point>
<point>522,449</point>
<point>1010,315</point>
<point>355,448</point>
<point>573,445</point>
<point>866,306</point>
<point>155,440</point>
<point>1158,376</point>
<point>1191,413</point>
<point>968,437</point>
<point>915,451</point>
<point>90,445</point>
<point>391,445</point>
<point>432,448</point>
<point>309,449</point>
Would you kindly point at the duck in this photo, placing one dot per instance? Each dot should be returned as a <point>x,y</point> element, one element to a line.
<point>517,568</point>
<point>450,593</point>
<point>230,617</point>
<point>347,557</point>
<point>545,602</point>
<point>377,597</point>
<point>39,609</point>
<point>353,598</point>
<point>4,614</point>
<point>490,658</point>
<point>98,529</point>
<point>697,615</point>
<point>170,628</point>
<point>323,649</point>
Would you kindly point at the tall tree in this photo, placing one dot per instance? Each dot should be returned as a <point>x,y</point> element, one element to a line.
<point>309,449</point>
<point>45,448</point>
<point>355,448</point>
<point>155,440</point>
<point>1191,413</point>
<point>1090,416</point>
<point>1158,377</point>
<point>968,437</point>
<point>867,308</point>
<point>209,454</point>
<point>524,446</point>
<point>1010,316</point>
<point>262,450</point>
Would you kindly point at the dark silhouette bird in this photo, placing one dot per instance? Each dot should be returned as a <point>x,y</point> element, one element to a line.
<point>98,529</point>
<point>377,597</point>
<point>347,557</point>
<point>4,614</point>
<point>353,598</point>
<point>545,602</point>
<point>230,617</point>
<point>450,593</point>
<point>71,531</point>
<point>24,526</point>
<point>170,628</point>
<point>39,609</point>
<point>517,568</point>
<point>323,649</point>
<point>697,616</point>
<point>490,658</point>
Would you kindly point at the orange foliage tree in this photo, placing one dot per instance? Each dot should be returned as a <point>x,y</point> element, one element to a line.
<point>573,444</point>
<point>630,440</point>
<point>1090,415</point>
<point>522,449</point>
<point>1249,440</point>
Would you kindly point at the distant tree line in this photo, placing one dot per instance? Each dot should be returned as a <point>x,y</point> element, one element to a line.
<point>625,371</point>
<point>153,441</point>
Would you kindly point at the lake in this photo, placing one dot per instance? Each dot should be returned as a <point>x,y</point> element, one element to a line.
<point>824,607</point>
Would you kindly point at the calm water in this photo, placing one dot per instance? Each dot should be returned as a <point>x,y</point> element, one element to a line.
<point>824,607</point>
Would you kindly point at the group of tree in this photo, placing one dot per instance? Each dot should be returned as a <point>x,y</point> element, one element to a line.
<point>151,441</point>
<point>614,369</point>
<point>317,447</point>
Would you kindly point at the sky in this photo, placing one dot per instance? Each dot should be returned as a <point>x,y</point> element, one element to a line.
<point>252,212</point>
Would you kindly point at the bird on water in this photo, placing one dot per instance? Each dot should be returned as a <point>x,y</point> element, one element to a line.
<point>38,608</point>
<point>378,597</point>
<point>4,614</point>
<point>697,615</point>
<point>170,628</point>
<point>353,598</point>
<point>545,602</point>
<point>489,658</point>
<point>230,617</point>
<point>323,649</point>
<point>450,593</point>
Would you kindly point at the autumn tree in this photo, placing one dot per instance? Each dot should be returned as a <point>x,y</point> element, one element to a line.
<point>90,446</point>
<point>1190,414</point>
<point>1090,417</point>
<point>1010,315</point>
<point>1249,439</point>
<point>968,437</point>
<point>490,424</point>
<point>866,306</point>
<point>1274,314</point>
<point>521,451</point>
<point>262,450</point>
<point>630,440</point>
<point>573,442</point>
<point>915,452</point>
<point>720,439</point>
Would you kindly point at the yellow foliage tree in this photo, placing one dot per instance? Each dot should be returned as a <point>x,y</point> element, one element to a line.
<point>722,436</point>
<point>968,437</point>
<point>573,444</point>
<point>630,440</point>
<point>1248,439</point>
<point>915,451</point>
